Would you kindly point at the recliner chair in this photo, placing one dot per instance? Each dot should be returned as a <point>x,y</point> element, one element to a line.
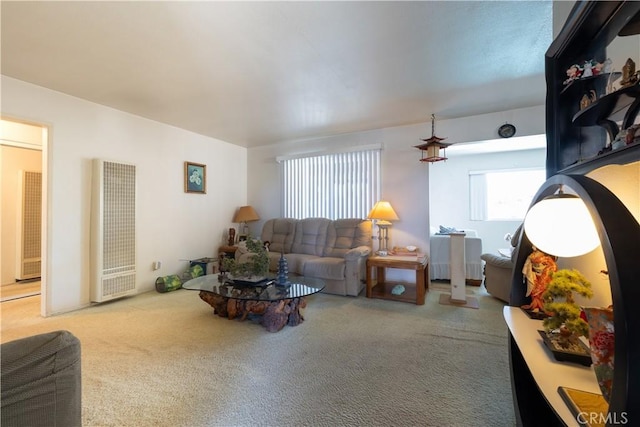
<point>498,270</point>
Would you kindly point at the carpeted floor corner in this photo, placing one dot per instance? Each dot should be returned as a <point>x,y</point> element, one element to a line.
<point>167,360</point>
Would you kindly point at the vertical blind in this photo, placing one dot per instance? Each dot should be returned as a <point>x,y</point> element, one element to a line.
<point>477,196</point>
<point>341,185</point>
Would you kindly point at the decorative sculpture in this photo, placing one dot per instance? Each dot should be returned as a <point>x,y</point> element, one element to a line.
<point>629,75</point>
<point>283,270</point>
<point>232,236</point>
<point>538,270</point>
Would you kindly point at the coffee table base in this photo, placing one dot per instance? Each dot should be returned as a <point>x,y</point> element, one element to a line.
<point>275,314</point>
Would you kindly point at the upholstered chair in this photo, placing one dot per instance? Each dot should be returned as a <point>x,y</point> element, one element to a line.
<point>498,270</point>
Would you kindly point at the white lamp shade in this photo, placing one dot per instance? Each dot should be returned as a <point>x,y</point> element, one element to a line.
<point>561,225</point>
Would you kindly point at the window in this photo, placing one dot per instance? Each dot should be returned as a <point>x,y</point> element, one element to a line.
<point>503,195</point>
<point>341,185</point>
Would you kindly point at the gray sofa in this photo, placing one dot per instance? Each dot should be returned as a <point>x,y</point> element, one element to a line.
<point>41,381</point>
<point>335,251</point>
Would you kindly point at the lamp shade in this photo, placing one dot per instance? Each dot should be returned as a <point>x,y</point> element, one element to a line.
<point>245,214</point>
<point>383,211</point>
<point>561,225</point>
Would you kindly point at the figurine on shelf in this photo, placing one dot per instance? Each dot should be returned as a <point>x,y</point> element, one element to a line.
<point>602,67</point>
<point>629,75</point>
<point>632,134</point>
<point>232,236</point>
<point>588,99</point>
<point>538,271</point>
<point>587,69</point>
<point>573,73</point>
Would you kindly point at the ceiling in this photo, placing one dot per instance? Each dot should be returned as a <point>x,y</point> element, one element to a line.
<point>257,73</point>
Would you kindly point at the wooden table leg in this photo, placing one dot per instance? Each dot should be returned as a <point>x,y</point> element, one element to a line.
<point>369,281</point>
<point>427,276</point>
<point>420,286</point>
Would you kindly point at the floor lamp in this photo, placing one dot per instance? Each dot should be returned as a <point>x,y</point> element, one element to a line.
<point>383,213</point>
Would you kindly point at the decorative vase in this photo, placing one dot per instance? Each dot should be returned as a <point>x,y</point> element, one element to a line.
<point>601,341</point>
<point>283,270</point>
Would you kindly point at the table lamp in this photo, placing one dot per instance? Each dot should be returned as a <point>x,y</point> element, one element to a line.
<point>383,213</point>
<point>242,216</point>
<point>561,225</point>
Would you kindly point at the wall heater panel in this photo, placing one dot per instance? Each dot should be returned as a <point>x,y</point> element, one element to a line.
<point>113,230</point>
<point>29,224</point>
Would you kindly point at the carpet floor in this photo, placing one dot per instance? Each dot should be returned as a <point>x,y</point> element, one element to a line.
<point>167,360</point>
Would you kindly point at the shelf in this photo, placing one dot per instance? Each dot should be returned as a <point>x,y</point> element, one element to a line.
<point>578,82</point>
<point>607,106</point>
<point>621,156</point>
<point>548,373</point>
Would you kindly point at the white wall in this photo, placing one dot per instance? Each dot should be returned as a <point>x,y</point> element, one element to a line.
<point>12,161</point>
<point>171,225</point>
<point>405,180</point>
<point>449,192</point>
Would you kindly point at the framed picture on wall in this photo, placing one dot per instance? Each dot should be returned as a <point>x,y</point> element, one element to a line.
<point>195,178</point>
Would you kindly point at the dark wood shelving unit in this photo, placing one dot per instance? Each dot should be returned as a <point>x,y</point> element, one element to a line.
<point>579,84</point>
<point>574,139</point>
<point>607,110</point>
<point>621,156</point>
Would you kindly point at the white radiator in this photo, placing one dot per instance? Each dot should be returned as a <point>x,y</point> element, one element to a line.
<point>113,230</point>
<point>29,225</point>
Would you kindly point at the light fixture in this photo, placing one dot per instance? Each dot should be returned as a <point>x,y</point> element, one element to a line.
<point>383,213</point>
<point>242,216</point>
<point>431,148</point>
<point>561,225</point>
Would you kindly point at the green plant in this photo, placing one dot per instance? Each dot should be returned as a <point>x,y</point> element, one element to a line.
<point>565,314</point>
<point>256,265</point>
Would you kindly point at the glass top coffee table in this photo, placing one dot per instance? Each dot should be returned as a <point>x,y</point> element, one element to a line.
<point>277,305</point>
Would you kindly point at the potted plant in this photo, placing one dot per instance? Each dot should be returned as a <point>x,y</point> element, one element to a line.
<point>565,324</point>
<point>252,268</point>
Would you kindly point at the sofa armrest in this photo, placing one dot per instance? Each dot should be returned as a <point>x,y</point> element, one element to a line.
<point>356,253</point>
<point>41,381</point>
<point>497,261</point>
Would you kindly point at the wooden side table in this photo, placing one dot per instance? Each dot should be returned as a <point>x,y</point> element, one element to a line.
<point>378,288</point>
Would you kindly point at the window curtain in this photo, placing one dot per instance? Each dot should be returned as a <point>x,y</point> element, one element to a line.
<point>477,196</point>
<point>341,185</point>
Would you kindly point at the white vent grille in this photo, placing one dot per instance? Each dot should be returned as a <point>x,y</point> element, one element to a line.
<point>113,240</point>
<point>118,285</point>
<point>29,225</point>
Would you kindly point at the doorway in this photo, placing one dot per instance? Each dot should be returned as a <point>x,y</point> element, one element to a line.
<point>21,209</point>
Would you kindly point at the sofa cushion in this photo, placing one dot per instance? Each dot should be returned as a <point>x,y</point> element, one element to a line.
<point>325,268</point>
<point>297,262</point>
<point>346,234</point>
<point>279,233</point>
<point>310,236</point>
